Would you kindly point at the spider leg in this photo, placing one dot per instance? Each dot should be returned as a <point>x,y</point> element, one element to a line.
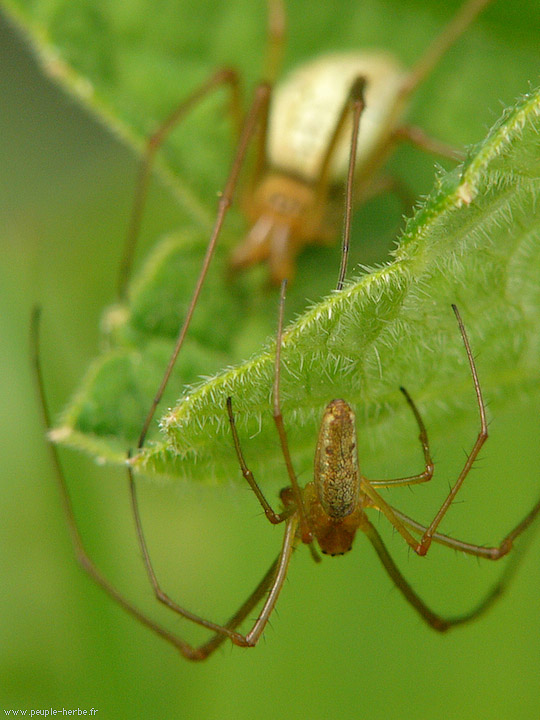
<point>259,106</point>
<point>224,77</point>
<point>272,516</point>
<point>425,540</point>
<point>227,77</point>
<point>160,594</point>
<point>291,527</point>
<point>275,45</point>
<point>423,67</point>
<point>489,553</point>
<point>375,500</point>
<point>307,535</point>
<point>356,103</point>
<point>434,620</point>
<point>88,564</point>
<point>243,611</point>
<point>420,139</point>
<point>427,473</point>
<point>441,44</point>
<point>421,547</point>
<point>272,581</point>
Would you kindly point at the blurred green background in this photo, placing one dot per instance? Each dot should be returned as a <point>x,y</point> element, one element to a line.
<point>342,641</point>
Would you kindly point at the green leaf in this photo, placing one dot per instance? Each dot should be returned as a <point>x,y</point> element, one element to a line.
<point>132,62</point>
<point>476,243</point>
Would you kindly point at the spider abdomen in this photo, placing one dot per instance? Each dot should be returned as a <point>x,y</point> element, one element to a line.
<point>306,107</point>
<point>336,475</point>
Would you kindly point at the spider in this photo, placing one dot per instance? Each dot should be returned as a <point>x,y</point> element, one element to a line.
<point>301,155</point>
<point>329,511</point>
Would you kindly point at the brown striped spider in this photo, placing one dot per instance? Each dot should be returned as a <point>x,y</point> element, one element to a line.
<point>329,511</point>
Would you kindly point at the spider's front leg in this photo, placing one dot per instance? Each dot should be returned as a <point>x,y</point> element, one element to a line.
<point>422,546</point>
<point>426,539</point>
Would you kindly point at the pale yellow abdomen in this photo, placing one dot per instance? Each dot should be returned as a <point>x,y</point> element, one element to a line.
<point>306,107</point>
